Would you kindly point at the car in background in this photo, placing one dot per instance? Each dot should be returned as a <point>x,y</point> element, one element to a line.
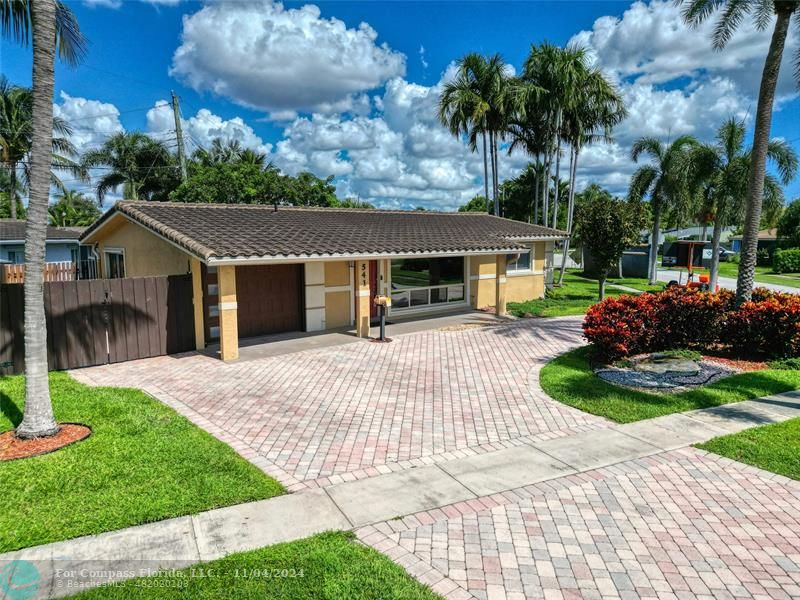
<point>725,255</point>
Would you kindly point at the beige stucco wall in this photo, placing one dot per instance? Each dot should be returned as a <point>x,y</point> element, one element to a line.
<point>519,288</point>
<point>146,254</point>
<point>337,273</point>
<point>337,310</point>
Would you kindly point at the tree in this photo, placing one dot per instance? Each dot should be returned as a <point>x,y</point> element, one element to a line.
<point>761,12</point>
<point>5,195</point>
<point>476,204</point>
<point>50,24</point>
<point>789,225</point>
<point>478,103</point>
<point>143,167</point>
<point>352,203</point>
<point>228,151</point>
<point>722,169</point>
<point>73,209</point>
<point>606,226</point>
<point>665,179</point>
<point>16,137</point>
<point>38,419</point>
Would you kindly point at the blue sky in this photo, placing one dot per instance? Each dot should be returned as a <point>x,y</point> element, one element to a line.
<point>357,101</point>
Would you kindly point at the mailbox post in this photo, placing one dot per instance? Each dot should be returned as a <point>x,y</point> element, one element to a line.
<point>382,302</point>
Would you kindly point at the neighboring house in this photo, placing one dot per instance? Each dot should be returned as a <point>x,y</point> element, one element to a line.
<point>767,238</point>
<point>61,246</point>
<point>689,233</point>
<point>258,269</point>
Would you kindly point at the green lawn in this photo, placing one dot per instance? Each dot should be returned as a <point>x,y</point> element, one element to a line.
<point>773,447</point>
<point>330,566</point>
<point>570,380</point>
<point>143,462</point>
<point>576,295</point>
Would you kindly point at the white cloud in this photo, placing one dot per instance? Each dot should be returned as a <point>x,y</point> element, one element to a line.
<point>91,121</point>
<point>201,129</point>
<point>261,55</point>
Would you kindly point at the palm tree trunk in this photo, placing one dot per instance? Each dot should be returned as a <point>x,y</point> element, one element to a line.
<point>12,193</point>
<point>546,189</point>
<point>653,276</point>
<point>557,184</point>
<point>758,165</point>
<point>485,172</point>
<point>573,170</point>
<point>496,178</point>
<point>38,420</point>
<point>714,271</point>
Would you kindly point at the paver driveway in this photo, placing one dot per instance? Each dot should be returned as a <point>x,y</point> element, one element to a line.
<point>680,524</point>
<point>356,410</point>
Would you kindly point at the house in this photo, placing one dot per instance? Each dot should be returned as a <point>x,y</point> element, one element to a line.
<point>767,238</point>
<point>61,246</point>
<point>262,269</point>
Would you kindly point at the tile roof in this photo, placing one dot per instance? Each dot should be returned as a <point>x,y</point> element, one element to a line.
<point>764,234</point>
<point>213,231</point>
<point>14,230</point>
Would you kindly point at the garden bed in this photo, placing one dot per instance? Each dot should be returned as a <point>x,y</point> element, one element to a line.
<point>570,379</point>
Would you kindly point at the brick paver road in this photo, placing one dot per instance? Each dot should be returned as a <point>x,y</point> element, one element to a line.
<point>356,410</point>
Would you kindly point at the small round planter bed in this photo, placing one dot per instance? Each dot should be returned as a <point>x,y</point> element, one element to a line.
<point>13,448</point>
<point>664,373</point>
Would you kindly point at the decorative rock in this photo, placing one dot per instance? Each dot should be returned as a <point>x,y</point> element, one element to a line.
<point>660,365</point>
<point>666,374</point>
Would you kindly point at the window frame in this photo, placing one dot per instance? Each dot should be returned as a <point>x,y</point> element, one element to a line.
<point>107,263</point>
<point>516,271</point>
<point>431,306</point>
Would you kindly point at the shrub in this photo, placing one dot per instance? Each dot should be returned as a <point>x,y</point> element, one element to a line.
<point>681,318</point>
<point>769,325</point>
<point>735,258</point>
<point>785,364</point>
<point>786,261</point>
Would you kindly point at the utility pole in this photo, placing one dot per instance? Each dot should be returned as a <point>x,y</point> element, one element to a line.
<point>176,111</point>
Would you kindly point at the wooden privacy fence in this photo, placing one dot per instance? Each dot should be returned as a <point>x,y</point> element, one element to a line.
<point>102,321</point>
<point>53,271</point>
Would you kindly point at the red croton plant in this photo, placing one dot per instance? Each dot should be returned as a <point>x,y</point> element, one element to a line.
<point>766,326</point>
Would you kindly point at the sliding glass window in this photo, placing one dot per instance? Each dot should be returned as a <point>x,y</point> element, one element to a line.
<point>418,282</point>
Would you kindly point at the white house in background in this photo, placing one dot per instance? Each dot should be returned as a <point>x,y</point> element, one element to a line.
<point>688,232</point>
<point>62,242</point>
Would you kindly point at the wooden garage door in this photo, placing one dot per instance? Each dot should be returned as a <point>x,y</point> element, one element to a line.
<point>269,299</point>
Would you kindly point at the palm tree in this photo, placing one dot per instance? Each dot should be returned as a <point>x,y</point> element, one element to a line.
<point>722,169</point>
<point>665,179</point>
<point>596,107</point>
<point>143,167</point>
<point>761,12</point>
<point>478,103</point>
<point>73,209</point>
<point>222,151</point>
<point>51,25</point>
<point>16,133</point>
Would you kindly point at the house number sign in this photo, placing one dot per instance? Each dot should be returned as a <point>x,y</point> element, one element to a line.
<point>364,275</point>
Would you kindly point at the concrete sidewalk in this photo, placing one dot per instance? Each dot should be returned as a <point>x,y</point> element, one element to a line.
<point>179,542</point>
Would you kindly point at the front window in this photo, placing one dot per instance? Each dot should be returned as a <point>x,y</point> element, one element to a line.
<point>115,264</point>
<point>418,282</point>
<point>519,262</point>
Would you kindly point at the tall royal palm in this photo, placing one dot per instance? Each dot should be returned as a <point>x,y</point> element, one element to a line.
<point>16,137</point>
<point>594,110</point>
<point>664,179</point>
<point>763,13</point>
<point>142,166</point>
<point>478,103</point>
<point>722,168</point>
<point>52,27</point>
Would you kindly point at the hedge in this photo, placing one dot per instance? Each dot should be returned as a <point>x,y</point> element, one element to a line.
<point>767,326</point>
<point>786,261</point>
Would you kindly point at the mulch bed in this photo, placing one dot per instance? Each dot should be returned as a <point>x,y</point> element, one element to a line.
<point>738,364</point>
<point>13,448</point>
